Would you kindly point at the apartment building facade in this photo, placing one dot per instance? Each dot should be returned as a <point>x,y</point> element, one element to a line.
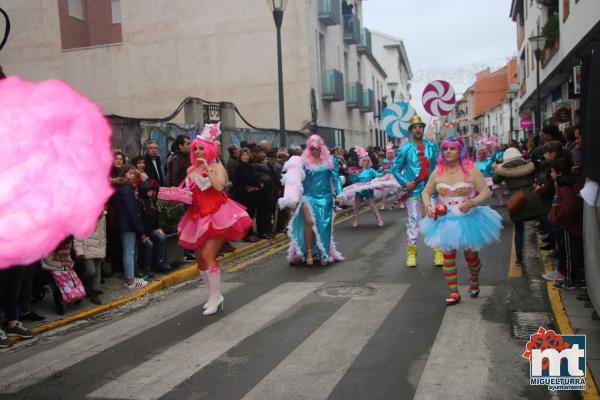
<point>570,28</point>
<point>141,58</point>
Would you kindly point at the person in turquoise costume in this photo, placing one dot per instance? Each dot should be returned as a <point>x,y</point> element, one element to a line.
<point>312,181</point>
<point>497,158</point>
<point>412,167</point>
<point>366,175</point>
<point>485,165</point>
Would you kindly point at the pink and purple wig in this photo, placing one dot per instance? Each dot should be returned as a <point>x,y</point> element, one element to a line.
<point>465,161</point>
<point>210,151</point>
<point>309,160</point>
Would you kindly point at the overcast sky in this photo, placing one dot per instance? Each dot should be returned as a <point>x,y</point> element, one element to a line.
<point>446,39</point>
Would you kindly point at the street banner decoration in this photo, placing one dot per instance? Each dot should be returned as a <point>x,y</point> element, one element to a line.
<point>395,119</point>
<point>55,168</point>
<point>438,98</point>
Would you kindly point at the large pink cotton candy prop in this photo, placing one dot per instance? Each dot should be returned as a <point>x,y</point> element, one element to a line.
<point>54,167</point>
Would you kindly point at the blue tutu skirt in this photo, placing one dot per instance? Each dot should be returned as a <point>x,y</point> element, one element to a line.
<point>470,231</point>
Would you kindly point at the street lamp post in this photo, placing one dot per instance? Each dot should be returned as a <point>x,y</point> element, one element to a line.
<point>392,86</point>
<point>277,7</point>
<point>539,42</point>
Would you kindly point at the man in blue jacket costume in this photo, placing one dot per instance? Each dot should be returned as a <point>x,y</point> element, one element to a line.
<point>414,163</point>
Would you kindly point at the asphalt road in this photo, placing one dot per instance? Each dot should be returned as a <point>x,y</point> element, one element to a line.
<point>364,328</point>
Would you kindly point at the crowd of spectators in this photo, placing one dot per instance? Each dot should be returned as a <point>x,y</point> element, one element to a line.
<point>549,174</point>
<point>130,236</point>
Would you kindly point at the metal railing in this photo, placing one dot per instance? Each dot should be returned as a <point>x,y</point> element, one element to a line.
<point>365,46</point>
<point>355,97</point>
<point>333,85</point>
<point>351,29</point>
<point>368,101</point>
<point>330,12</point>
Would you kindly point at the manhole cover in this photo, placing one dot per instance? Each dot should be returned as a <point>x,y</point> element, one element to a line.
<point>347,291</point>
<point>527,323</point>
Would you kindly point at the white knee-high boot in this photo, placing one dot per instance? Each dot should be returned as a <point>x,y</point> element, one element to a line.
<point>215,299</point>
<point>204,275</point>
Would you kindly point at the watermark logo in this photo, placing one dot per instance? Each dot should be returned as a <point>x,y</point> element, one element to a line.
<point>556,361</point>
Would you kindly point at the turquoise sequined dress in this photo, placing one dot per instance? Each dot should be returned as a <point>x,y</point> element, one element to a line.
<point>321,184</point>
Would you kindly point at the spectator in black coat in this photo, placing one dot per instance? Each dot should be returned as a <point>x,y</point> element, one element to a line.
<point>153,163</point>
<point>180,162</point>
<point>246,188</point>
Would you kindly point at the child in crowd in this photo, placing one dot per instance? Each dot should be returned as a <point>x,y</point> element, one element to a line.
<point>129,224</point>
<point>154,235</point>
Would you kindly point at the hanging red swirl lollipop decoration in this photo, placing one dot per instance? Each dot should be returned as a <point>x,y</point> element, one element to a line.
<point>439,98</point>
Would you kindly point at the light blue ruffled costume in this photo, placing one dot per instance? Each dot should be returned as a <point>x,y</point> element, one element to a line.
<point>485,167</point>
<point>407,165</point>
<point>320,186</point>
<point>366,175</point>
<point>456,230</point>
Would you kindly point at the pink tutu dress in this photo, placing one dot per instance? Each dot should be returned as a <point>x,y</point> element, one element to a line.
<point>212,214</point>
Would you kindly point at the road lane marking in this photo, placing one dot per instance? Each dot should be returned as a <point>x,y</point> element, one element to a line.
<point>163,372</point>
<point>42,365</point>
<point>315,367</point>
<point>459,354</point>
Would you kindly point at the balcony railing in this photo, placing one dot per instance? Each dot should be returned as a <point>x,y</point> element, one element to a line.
<point>329,12</point>
<point>333,85</point>
<point>368,101</point>
<point>354,95</point>
<point>364,46</point>
<point>351,29</point>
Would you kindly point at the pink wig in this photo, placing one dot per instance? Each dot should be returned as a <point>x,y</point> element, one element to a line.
<point>54,170</point>
<point>309,160</point>
<point>210,150</point>
<point>363,155</point>
<point>465,162</point>
<point>482,152</point>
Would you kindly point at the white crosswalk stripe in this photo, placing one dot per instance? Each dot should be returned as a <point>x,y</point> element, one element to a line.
<point>459,354</point>
<point>313,369</point>
<point>159,375</point>
<point>43,365</point>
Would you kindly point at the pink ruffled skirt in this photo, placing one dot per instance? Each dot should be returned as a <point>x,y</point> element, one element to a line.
<point>230,222</point>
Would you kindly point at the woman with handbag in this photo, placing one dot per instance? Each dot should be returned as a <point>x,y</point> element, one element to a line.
<point>213,218</point>
<point>459,221</point>
<point>524,204</point>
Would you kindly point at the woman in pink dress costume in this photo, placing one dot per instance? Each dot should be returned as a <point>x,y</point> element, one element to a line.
<point>459,221</point>
<point>213,218</point>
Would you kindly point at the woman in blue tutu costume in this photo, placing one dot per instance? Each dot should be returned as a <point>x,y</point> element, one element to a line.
<point>311,183</point>
<point>459,221</point>
<point>366,175</point>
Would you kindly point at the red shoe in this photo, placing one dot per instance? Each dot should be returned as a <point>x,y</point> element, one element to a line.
<point>474,291</point>
<point>452,300</point>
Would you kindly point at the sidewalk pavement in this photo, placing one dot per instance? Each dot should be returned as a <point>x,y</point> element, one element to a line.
<point>577,317</point>
<point>115,293</point>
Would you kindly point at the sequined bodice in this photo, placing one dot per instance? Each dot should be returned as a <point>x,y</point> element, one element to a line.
<point>454,195</point>
<point>317,182</point>
<point>207,201</point>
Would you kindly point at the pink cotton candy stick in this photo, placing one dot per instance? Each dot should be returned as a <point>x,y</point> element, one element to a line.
<point>54,168</point>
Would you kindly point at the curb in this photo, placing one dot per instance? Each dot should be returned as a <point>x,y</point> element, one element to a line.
<point>183,274</point>
<point>565,328</point>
